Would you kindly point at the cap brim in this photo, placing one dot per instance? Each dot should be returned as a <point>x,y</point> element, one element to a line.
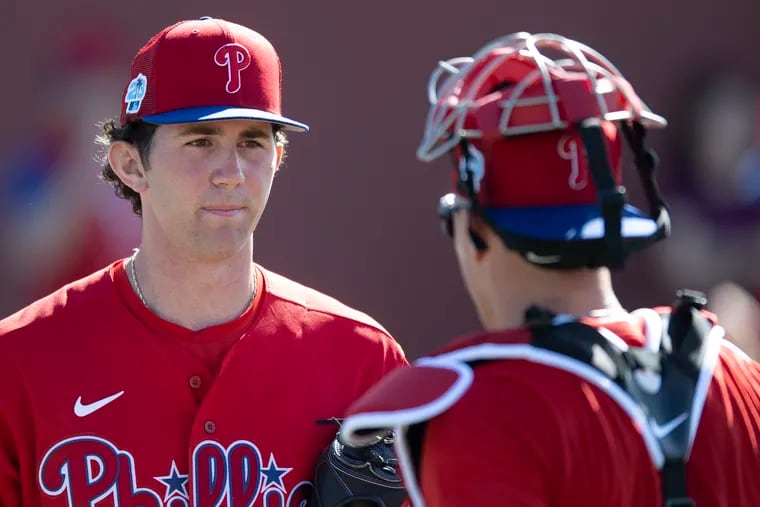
<point>568,222</point>
<point>224,113</point>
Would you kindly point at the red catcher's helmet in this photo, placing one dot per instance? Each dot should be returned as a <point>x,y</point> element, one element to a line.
<point>531,121</point>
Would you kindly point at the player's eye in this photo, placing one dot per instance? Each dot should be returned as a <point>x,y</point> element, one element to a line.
<point>202,142</point>
<point>252,143</point>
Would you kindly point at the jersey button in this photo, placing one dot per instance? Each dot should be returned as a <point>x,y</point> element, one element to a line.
<point>210,427</point>
<point>195,382</point>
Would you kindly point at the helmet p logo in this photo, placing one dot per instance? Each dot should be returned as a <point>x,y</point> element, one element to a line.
<point>236,58</point>
<point>567,149</point>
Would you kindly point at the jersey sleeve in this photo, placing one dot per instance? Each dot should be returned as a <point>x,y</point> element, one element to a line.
<point>393,355</point>
<point>377,354</point>
<point>380,355</point>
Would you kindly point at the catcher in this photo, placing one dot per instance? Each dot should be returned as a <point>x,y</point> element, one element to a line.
<point>566,398</point>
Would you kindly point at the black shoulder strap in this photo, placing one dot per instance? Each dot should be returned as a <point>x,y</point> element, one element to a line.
<point>662,382</point>
<point>671,413</point>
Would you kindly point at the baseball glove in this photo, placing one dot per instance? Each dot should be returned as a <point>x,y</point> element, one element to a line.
<point>349,476</point>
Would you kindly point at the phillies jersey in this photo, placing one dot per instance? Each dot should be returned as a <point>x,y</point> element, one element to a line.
<point>103,403</point>
<point>494,420</point>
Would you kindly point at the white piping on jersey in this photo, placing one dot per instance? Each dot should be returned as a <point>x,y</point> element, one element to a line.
<point>404,455</point>
<point>714,340</point>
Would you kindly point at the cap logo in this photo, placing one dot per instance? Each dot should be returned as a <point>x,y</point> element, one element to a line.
<point>136,91</point>
<point>567,149</point>
<point>236,58</point>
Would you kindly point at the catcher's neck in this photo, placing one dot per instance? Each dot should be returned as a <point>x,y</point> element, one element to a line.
<point>509,292</point>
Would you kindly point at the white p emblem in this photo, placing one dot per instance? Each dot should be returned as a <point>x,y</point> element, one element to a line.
<point>236,58</point>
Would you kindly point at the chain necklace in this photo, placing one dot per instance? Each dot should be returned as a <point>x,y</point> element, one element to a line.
<point>133,275</point>
<point>136,284</point>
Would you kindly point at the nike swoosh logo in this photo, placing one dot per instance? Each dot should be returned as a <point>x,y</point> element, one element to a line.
<point>663,430</point>
<point>85,409</point>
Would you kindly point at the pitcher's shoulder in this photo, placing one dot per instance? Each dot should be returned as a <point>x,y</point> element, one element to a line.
<point>48,316</point>
<point>291,292</point>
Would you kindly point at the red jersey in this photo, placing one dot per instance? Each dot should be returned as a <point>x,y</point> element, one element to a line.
<point>519,430</point>
<point>104,403</point>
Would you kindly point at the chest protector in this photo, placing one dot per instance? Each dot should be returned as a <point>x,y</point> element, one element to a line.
<point>661,381</point>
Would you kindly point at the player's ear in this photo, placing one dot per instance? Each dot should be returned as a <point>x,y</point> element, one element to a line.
<point>467,241</point>
<point>280,152</point>
<point>126,163</point>
<point>484,235</point>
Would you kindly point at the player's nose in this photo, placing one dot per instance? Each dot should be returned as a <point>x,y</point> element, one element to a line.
<point>229,169</point>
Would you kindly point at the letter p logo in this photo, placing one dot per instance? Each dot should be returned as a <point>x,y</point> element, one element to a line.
<point>236,58</point>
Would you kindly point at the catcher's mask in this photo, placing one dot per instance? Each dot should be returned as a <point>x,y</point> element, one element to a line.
<point>532,122</point>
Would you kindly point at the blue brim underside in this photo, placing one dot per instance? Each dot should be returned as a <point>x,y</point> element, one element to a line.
<point>568,222</point>
<point>224,113</point>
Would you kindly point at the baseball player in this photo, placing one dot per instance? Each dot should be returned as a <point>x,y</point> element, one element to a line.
<point>185,374</point>
<point>566,398</point>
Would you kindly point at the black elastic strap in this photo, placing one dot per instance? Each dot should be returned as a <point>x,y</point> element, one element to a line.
<point>578,341</point>
<point>646,163</point>
<point>611,196</point>
<point>467,187</point>
<point>673,477</point>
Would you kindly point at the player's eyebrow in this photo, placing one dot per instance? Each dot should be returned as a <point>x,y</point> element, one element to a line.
<point>200,129</point>
<point>210,130</point>
<point>255,132</point>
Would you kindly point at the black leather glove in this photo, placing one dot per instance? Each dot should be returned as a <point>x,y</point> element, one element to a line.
<point>349,476</point>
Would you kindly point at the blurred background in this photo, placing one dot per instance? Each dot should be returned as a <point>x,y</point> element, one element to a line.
<point>353,212</point>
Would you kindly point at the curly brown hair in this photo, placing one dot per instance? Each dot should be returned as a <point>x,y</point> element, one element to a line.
<point>140,134</point>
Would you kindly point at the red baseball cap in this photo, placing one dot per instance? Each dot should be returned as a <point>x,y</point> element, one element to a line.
<point>203,70</point>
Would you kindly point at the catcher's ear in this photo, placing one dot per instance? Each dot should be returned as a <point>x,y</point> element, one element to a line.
<point>468,238</point>
<point>482,236</point>
<point>125,161</point>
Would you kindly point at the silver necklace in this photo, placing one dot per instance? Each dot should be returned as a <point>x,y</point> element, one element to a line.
<point>135,283</point>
